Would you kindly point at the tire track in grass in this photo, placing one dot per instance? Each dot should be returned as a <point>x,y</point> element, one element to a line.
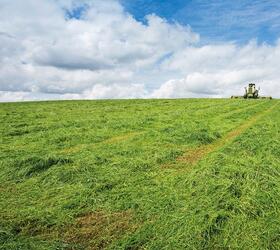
<point>193,156</point>
<point>112,140</point>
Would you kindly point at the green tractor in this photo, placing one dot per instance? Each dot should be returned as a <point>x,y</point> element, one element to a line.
<point>252,93</point>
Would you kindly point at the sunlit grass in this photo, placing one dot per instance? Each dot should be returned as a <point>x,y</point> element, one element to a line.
<point>106,174</point>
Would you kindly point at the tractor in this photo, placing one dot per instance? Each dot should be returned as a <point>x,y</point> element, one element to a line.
<point>252,93</point>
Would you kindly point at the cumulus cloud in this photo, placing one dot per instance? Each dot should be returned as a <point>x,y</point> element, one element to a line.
<point>49,52</point>
<point>222,70</point>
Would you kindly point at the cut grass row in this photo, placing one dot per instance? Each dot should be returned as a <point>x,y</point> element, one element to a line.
<point>112,191</point>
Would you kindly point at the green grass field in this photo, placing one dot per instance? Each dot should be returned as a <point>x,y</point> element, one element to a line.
<point>140,174</point>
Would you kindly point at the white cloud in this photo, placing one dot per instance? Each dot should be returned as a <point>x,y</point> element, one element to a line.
<point>222,70</point>
<point>116,91</point>
<point>108,54</point>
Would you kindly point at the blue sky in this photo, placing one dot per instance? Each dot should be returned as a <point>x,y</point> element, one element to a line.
<point>99,49</point>
<point>218,21</point>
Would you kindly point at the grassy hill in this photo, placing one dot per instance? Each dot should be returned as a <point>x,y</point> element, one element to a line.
<point>140,174</point>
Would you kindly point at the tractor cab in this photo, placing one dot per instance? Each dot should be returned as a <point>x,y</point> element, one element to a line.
<point>251,91</point>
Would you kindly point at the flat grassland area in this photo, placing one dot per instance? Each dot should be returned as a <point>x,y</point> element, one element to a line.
<point>140,174</point>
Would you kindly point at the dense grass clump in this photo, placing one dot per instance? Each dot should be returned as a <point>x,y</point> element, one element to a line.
<point>140,174</point>
<point>36,165</point>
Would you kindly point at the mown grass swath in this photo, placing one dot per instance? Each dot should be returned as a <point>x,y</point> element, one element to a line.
<point>110,174</point>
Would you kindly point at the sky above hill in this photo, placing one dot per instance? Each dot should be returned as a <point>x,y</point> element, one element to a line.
<point>96,49</point>
<point>217,21</point>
